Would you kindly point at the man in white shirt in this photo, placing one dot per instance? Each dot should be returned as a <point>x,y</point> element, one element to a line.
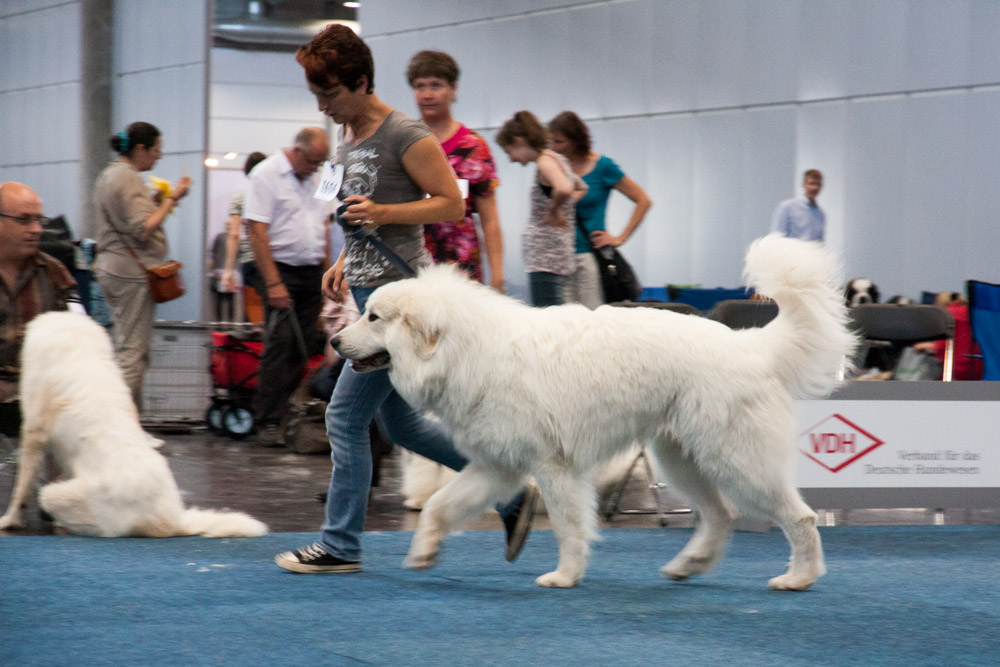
<point>801,217</point>
<point>287,229</point>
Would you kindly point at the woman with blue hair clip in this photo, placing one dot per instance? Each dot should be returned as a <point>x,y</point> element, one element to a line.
<point>130,237</point>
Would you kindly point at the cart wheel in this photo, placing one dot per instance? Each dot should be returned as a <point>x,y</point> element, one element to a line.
<point>213,417</point>
<point>237,422</point>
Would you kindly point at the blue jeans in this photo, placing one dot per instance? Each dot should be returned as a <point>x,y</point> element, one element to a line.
<point>546,289</point>
<point>356,399</point>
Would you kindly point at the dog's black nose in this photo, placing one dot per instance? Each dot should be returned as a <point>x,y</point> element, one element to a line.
<point>335,342</point>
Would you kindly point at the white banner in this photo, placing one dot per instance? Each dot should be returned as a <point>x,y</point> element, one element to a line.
<point>847,444</point>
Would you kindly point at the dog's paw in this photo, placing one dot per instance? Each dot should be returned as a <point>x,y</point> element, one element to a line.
<point>420,562</point>
<point>791,582</point>
<point>684,566</point>
<point>557,579</point>
<point>10,521</point>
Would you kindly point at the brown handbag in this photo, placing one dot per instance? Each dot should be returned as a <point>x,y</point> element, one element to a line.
<point>165,281</point>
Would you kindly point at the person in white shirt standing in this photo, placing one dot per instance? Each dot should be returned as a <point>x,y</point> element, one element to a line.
<point>287,229</point>
<point>801,217</point>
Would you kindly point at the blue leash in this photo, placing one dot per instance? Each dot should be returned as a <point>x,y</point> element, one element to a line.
<point>366,234</point>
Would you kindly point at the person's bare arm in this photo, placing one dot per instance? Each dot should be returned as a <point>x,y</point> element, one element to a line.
<point>274,290</point>
<point>489,218</point>
<point>164,206</point>
<point>233,224</point>
<point>642,202</point>
<point>427,165</point>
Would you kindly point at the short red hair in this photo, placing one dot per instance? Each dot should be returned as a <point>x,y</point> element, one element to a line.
<point>337,55</point>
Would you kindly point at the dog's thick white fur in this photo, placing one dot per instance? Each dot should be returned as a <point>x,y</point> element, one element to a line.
<point>422,478</point>
<point>553,392</point>
<point>76,405</point>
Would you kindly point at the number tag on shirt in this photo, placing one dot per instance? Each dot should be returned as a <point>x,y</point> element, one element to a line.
<point>330,181</point>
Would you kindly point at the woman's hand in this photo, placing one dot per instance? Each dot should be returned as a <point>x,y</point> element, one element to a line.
<point>181,187</point>
<point>362,210</point>
<point>228,281</point>
<point>333,285</point>
<point>601,238</point>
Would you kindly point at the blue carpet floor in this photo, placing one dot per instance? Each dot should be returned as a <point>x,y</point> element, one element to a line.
<point>893,596</point>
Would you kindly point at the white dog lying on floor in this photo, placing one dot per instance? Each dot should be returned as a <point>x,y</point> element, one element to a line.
<point>553,392</point>
<point>75,405</point>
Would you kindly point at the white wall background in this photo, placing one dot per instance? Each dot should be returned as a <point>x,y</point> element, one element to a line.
<point>40,135</point>
<point>716,107</point>
<point>258,101</point>
<point>161,70</point>
<point>160,75</point>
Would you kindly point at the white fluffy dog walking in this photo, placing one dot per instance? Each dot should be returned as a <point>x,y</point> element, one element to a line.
<point>75,404</point>
<point>553,392</point>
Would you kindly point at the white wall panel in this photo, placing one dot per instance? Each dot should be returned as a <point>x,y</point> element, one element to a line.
<point>673,66</point>
<point>874,168</point>
<point>582,50</point>
<point>825,73</point>
<point>57,135</point>
<point>821,143</point>
<point>667,233</point>
<point>383,17</point>
<point>12,7</point>
<point>246,136</point>
<point>173,99</point>
<point>264,67</point>
<point>937,53</point>
<point>982,197</point>
<point>769,156</point>
<point>248,101</point>
<point>625,89</point>
<point>156,35</point>
<point>722,54</point>
<point>16,145</point>
<point>934,192</point>
<point>717,255</point>
<point>512,71</point>
<point>825,41</point>
<point>876,59</point>
<point>392,55</point>
<point>59,187</point>
<point>624,142</point>
<point>984,47</point>
<point>43,45</point>
<point>772,49</point>
<point>161,67</point>
<point>477,90</point>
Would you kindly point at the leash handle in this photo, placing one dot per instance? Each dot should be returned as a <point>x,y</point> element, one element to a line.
<point>366,234</point>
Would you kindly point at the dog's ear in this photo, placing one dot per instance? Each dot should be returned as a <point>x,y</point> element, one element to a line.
<point>426,335</point>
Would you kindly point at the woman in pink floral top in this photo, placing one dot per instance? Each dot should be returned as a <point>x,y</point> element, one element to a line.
<point>433,75</point>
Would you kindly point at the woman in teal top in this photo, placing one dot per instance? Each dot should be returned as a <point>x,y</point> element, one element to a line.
<point>570,137</point>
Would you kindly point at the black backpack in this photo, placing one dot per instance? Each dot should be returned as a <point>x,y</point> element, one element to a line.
<point>57,240</point>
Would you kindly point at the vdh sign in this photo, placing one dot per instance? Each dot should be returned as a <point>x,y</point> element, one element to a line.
<point>836,442</point>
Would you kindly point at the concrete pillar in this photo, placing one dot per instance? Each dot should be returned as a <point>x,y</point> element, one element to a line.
<point>95,102</point>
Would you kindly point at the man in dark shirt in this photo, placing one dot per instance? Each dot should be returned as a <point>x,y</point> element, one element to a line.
<point>31,282</point>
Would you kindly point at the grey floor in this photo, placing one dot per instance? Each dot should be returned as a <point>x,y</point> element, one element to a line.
<point>280,488</point>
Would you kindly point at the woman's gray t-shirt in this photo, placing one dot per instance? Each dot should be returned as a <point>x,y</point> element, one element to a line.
<point>374,169</point>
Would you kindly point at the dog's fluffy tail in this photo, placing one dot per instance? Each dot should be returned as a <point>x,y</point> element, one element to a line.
<point>213,523</point>
<point>811,341</point>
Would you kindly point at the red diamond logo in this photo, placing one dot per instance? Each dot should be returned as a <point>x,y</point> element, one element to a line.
<point>836,442</point>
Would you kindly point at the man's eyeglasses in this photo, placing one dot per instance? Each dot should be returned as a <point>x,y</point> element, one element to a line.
<point>26,220</point>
